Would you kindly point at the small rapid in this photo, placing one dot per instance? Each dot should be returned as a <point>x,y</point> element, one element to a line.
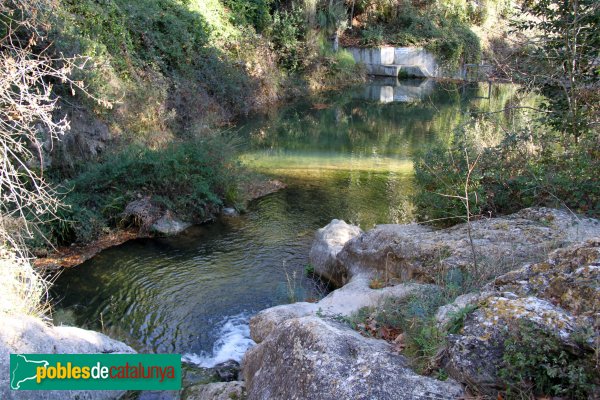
<point>233,335</point>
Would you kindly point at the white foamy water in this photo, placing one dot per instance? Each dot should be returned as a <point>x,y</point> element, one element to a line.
<point>234,340</point>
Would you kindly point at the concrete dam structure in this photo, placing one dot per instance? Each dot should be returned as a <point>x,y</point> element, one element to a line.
<point>412,62</point>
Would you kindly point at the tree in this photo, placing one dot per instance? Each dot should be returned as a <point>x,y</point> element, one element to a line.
<point>334,20</point>
<point>562,60</point>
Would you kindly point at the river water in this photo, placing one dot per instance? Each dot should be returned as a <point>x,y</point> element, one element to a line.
<point>345,155</point>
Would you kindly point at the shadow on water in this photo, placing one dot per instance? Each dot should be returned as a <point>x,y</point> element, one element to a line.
<point>347,157</point>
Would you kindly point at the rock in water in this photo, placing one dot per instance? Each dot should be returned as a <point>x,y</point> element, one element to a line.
<point>227,371</point>
<point>169,225</point>
<point>309,358</point>
<point>327,244</point>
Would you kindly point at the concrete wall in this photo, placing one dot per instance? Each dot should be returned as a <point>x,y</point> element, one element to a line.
<point>408,61</point>
<point>418,57</point>
<point>375,55</point>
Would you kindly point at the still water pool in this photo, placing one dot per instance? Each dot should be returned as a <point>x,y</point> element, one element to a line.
<point>347,155</point>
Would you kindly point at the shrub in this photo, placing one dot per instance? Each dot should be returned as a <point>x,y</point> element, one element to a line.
<point>414,318</point>
<point>537,363</point>
<point>288,33</point>
<point>529,167</point>
<point>373,36</point>
<point>252,12</point>
<point>190,179</point>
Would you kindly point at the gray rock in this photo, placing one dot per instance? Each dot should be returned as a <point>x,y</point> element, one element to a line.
<point>216,391</point>
<point>475,355</point>
<point>413,252</point>
<point>327,244</point>
<point>230,212</point>
<point>169,225</point>
<point>300,355</point>
<point>24,334</point>
<point>559,296</point>
<point>341,302</point>
<point>266,321</point>
<point>445,313</point>
<point>227,371</point>
<point>309,358</point>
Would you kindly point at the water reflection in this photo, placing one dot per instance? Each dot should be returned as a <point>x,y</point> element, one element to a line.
<point>388,90</point>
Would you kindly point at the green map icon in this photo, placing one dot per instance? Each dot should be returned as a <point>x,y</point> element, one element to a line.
<point>23,369</point>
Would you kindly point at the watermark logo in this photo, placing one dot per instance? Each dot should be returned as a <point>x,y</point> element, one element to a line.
<point>95,371</point>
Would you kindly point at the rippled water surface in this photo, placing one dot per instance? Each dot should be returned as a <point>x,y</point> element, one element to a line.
<point>347,155</point>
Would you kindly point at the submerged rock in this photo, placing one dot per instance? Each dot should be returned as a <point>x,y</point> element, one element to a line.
<point>310,358</point>
<point>152,217</point>
<point>24,334</point>
<point>227,371</point>
<point>230,212</point>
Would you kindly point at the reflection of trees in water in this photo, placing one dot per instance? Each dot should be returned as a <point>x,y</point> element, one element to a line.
<point>353,125</point>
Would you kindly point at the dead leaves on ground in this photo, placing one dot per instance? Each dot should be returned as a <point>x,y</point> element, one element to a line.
<point>390,334</point>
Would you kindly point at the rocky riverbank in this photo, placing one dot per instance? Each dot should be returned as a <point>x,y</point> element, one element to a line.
<point>149,220</point>
<point>306,351</point>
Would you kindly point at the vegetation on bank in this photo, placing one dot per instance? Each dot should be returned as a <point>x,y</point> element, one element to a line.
<point>551,157</point>
<point>193,179</point>
<point>442,27</point>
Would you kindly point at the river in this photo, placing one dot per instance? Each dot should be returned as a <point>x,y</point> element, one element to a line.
<point>346,155</point>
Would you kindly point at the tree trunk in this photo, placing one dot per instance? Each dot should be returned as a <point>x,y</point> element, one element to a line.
<point>336,42</point>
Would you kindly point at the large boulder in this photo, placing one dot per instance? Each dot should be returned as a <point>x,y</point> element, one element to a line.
<point>560,297</point>
<point>328,242</point>
<point>310,358</point>
<point>24,334</point>
<point>413,252</point>
<point>475,356</point>
<point>570,279</point>
<point>340,303</point>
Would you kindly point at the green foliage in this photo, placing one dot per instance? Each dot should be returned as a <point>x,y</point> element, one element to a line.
<point>561,61</point>
<point>373,36</point>
<point>288,33</point>
<point>333,18</point>
<point>456,43</point>
<point>189,178</point>
<point>441,174</point>
<point>145,32</point>
<point>536,363</point>
<point>414,317</point>
<point>507,176</point>
<point>250,12</point>
<point>309,270</point>
<point>457,319</point>
<point>440,28</point>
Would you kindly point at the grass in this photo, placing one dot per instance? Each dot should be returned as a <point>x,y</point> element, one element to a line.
<point>409,324</point>
<point>23,290</point>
